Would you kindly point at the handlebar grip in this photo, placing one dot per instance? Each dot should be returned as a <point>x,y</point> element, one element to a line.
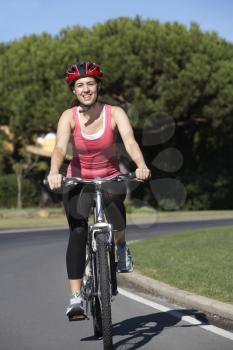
<point>128,176</point>
<point>132,175</point>
<point>46,182</point>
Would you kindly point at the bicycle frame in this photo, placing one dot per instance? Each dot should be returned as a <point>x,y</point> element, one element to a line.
<point>100,223</point>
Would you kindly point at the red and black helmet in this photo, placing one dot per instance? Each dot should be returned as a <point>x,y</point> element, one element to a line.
<point>82,70</point>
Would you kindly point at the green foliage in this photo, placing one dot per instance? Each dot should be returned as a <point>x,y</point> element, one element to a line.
<point>3,152</point>
<point>129,207</point>
<point>150,69</point>
<point>8,192</point>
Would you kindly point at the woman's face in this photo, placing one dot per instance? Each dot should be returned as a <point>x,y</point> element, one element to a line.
<point>86,90</point>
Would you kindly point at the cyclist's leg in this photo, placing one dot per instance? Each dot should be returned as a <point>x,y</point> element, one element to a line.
<point>77,215</point>
<point>120,237</point>
<point>115,194</point>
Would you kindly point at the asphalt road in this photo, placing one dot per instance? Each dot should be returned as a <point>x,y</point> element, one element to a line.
<point>34,296</point>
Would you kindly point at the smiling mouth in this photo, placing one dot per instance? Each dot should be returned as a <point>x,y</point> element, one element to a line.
<point>87,100</point>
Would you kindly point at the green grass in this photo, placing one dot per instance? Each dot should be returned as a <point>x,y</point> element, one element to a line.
<point>198,261</point>
<point>32,223</point>
<point>147,213</point>
<point>31,218</point>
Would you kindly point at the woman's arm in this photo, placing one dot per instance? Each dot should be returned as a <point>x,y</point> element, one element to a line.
<point>60,149</point>
<point>125,129</point>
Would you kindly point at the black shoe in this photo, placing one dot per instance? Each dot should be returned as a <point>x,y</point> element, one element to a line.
<point>125,259</point>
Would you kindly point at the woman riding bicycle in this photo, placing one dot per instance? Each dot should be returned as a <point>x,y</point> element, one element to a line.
<point>92,127</point>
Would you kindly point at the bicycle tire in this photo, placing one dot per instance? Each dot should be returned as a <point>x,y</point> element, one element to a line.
<point>89,293</point>
<point>104,288</point>
<point>113,269</point>
<point>97,317</point>
<point>95,304</point>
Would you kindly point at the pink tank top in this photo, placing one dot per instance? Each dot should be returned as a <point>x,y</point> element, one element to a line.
<point>94,157</point>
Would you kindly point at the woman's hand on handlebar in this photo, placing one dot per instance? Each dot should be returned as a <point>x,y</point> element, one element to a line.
<point>54,180</point>
<point>143,173</point>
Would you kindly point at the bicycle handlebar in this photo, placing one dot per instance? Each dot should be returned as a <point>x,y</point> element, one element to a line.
<point>75,180</point>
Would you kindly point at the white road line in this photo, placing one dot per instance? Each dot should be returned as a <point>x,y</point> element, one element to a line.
<point>189,319</point>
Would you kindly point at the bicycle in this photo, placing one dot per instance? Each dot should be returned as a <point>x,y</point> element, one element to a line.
<point>99,280</point>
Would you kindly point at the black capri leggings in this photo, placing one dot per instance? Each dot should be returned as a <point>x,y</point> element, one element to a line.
<point>78,203</point>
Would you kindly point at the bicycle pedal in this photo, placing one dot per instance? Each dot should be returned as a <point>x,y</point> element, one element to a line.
<point>80,317</point>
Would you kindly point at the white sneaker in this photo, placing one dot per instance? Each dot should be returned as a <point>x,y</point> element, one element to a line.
<point>75,307</point>
<point>125,259</point>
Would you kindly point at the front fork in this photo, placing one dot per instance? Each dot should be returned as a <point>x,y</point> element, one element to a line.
<point>100,228</point>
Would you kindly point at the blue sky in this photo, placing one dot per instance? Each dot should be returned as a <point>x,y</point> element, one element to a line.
<point>24,17</point>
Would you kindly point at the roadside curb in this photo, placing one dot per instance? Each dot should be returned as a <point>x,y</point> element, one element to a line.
<point>211,306</point>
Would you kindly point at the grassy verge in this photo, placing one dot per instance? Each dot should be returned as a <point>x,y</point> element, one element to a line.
<point>31,218</point>
<point>36,217</point>
<point>198,261</point>
<point>151,215</point>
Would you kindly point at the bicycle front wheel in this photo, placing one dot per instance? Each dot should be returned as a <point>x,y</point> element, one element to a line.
<point>104,288</point>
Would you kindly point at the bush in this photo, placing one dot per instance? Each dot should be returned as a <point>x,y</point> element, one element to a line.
<point>8,192</point>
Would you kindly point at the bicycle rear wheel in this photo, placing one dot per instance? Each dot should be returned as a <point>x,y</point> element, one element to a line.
<point>104,287</point>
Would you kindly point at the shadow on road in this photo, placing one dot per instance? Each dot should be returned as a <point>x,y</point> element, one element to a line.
<point>138,331</point>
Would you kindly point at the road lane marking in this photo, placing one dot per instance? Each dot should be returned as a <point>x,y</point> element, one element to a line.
<point>177,314</point>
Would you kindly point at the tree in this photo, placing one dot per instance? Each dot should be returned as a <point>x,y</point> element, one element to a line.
<point>156,72</point>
